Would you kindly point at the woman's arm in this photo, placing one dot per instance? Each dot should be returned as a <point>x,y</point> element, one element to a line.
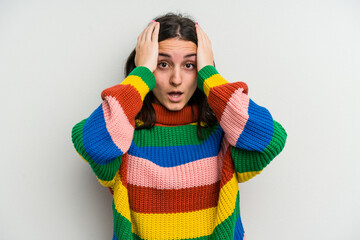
<point>255,138</point>
<point>107,133</point>
<point>103,138</point>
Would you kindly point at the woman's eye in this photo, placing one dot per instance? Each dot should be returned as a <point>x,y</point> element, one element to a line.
<point>190,65</point>
<point>162,65</point>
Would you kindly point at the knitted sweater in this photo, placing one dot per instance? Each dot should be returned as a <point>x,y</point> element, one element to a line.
<point>166,182</point>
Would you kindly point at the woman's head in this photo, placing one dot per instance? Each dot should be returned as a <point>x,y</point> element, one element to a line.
<point>176,26</point>
<point>171,26</point>
<point>176,71</point>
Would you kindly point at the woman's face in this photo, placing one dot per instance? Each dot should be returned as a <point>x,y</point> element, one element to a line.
<point>175,73</point>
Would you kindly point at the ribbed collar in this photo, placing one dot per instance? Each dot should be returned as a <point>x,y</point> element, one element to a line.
<point>188,114</point>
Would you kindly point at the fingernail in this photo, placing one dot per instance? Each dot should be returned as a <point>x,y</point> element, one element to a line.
<point>153,21</point>
<point>196,23</point>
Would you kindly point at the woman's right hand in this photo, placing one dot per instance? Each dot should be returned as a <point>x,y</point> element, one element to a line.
<point>147,48</point>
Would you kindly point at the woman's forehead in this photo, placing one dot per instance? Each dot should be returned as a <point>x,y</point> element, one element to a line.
<point>177,47</point>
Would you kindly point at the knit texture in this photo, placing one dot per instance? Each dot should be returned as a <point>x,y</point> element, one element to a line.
<point>166,182</point>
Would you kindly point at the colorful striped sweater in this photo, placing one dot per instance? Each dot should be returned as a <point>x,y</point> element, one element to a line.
<point>166,182</point>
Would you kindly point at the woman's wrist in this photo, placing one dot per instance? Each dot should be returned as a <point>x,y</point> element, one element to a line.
<point>208,77</point>
<point>205,73</point>
<point>146,76</point>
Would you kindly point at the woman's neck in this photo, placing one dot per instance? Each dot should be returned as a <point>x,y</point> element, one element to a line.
<point>189,114</point>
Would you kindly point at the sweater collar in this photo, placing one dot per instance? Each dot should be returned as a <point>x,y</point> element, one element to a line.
<point>188,114</point>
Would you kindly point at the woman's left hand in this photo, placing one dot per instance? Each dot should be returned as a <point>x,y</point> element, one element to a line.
<point>204,51</point>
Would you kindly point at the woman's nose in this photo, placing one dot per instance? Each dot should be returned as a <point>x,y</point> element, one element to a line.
<point>175,79</point>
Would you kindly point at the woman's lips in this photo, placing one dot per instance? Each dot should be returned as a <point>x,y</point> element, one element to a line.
<point>175,96</point>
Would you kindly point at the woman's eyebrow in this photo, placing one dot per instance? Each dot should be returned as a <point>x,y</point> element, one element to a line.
<point>167,55</point>
<point>164,55</point>
<point>190,55</point>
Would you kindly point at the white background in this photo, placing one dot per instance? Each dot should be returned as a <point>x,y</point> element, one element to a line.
<point>300,59</point>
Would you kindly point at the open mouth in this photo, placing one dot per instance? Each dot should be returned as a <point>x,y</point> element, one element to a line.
<point>175,96</point>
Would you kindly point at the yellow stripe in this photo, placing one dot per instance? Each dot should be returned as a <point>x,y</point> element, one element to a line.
<point>213,81</point>
<point>107,183</point>
<point>121,198</point>
<point>137,83</point>
<point>81,156</point>
<point>227,200</point>
<point>202,123</point>
<point>138,122</point>
<point>187,224</point>
<point>245,176</point>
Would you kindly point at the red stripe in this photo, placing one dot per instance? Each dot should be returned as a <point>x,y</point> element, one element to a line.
<point>128,97</point>
<point>228,168</point>
<point>220,95</point>
<point>153,200</point>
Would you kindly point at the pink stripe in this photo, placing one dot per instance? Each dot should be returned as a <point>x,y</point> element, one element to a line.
<point>235,115</point>
<point>143,172</point>
<point>117,123</point>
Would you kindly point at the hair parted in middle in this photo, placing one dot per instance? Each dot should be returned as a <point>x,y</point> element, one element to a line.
<point>180,27</point>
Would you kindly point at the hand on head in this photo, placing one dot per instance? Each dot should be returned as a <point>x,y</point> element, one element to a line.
<point>147,47</point>
<point>204,51</point>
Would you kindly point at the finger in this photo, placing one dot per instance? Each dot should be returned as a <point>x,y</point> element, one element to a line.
<point>155,35</point>
<point>197,33</point>
<point>150,31</point>
<point>143,34</point>
<point>204,37</point>
<point>200,35</point>
<point>140,37</point>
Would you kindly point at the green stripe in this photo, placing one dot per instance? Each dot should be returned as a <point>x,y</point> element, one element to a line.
<point>248,161</point>
<point>204,74</point>
<point>103,172</point>
<point>122,226</point>
<point>159,136</point>
<point>225,230</point>
<point>146,75</point>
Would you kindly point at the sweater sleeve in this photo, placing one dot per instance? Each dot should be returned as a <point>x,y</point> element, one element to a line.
<point>255,139</point>
<point>103,137</point>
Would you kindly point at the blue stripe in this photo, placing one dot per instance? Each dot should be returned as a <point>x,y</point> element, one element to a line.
<point>177,155</point>
<point>114,236</point>
<point>97,140</point>
<point>239,230</point>
<point>258,130</point>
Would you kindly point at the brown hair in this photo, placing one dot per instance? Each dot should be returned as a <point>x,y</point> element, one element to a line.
<point>180,27</point>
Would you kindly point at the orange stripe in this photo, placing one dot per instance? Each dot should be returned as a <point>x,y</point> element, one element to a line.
<point>228,168</point>
<point>152,200</point>
<point>128,98</point>
<point>220,95</point>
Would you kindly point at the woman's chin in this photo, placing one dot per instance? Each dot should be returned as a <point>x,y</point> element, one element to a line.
<point>171,106</point>
<point>174,106</point>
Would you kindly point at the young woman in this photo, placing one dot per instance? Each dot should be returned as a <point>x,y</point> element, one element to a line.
<point>174,139</point>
